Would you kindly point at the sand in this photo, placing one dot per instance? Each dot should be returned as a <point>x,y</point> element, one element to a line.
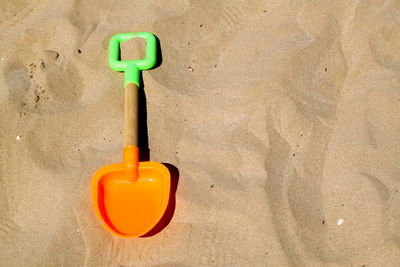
<point>282,118</point>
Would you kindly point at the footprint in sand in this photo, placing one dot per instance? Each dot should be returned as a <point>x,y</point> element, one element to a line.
<point>43,80</point>
<point>46,85</point>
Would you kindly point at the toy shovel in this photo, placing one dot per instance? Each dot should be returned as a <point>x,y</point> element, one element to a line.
<point>131,197</point>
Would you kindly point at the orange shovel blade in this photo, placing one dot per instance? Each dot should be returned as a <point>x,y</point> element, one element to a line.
<point>130,206</point>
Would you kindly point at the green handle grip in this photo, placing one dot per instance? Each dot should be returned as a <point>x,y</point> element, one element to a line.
<point>132,68</point>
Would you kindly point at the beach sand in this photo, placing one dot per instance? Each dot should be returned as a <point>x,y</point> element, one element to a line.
<point>282,118</point>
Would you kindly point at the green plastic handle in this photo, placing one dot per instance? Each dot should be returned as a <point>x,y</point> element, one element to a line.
<point>132,68</point>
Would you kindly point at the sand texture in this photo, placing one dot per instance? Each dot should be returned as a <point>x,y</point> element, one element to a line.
<point>282,117</point>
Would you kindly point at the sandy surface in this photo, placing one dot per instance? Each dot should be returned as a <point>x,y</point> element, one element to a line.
<point>281,116</point>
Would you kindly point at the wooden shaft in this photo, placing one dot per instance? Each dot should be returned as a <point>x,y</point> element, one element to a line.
<point>131,115</point>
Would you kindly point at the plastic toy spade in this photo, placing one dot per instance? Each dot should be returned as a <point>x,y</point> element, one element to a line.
<point>131,197</point>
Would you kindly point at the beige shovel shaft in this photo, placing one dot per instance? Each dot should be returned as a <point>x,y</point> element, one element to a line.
<point>131,115</point>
